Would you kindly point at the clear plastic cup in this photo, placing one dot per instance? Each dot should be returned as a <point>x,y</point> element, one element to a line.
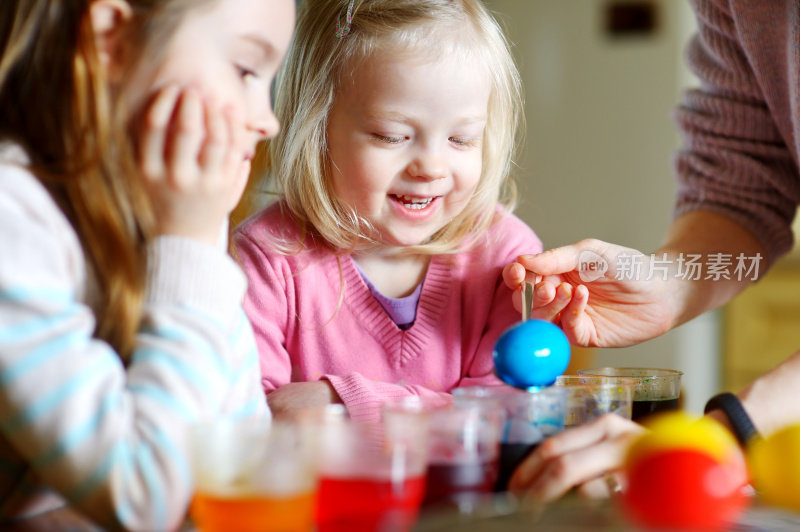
<point>655,389</point>
<point>463,455</point>
<point>372,474</point>
<point>530,417</point>
<point>590,397</point>
<point>253,477</point>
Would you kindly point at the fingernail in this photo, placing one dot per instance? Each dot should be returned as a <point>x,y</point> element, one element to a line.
<point>542,290</point>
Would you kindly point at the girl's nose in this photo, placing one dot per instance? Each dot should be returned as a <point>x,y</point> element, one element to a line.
<point>265,124</point>
<point>428,165</point>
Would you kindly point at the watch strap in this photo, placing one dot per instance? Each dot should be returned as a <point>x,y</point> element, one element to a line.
<point>742,425</point>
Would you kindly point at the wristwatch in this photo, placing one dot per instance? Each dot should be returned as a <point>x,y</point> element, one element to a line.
<point>742,425</point>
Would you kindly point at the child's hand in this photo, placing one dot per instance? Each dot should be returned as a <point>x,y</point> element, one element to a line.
<point>192,155</point>
<point>296,396</point>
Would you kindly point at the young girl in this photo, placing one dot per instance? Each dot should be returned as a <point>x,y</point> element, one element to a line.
<point>121,156</point>
<point>378,273</point>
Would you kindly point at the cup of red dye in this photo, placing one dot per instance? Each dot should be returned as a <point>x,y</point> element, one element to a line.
<point>372,474</point>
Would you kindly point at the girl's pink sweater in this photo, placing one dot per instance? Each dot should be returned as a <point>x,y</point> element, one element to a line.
<point>315,318</point>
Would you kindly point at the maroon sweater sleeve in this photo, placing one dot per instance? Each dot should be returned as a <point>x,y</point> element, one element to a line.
<point>739,156</point>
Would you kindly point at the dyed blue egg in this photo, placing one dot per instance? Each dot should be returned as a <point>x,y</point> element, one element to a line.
<point>531,353</point>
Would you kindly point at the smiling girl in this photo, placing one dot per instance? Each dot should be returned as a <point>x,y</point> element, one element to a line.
<point>377,274</point>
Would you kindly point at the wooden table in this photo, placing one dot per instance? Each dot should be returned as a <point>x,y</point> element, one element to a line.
<point>574,514</point>
<point>571,514</point>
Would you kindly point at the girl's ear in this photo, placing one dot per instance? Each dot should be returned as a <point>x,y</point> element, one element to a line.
<point>108,19</point>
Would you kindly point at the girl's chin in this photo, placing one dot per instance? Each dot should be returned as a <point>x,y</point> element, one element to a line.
<point>404,242</point>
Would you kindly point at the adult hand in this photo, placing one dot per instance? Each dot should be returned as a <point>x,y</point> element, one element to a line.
<point>581,457</point>
<point>192,157</point>
<point>291,398</point>
<point>606,295</point>
<point>594,307</point>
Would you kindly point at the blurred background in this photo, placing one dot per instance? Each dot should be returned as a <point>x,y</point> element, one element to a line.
<point>602,78</point>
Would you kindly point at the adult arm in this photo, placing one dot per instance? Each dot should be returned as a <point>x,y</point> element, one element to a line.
<point>621,309</point>
<point>737,194</point>
<point>771,400</point>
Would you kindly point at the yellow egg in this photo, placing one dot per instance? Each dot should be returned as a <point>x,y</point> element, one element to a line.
<point>681,430</point>
<point>775,467</point>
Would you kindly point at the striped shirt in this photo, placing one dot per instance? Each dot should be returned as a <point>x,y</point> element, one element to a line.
<point>110,438</point>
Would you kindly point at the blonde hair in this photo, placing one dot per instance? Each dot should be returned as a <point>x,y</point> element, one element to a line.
<point>56,104</point>
<point>296,161</point>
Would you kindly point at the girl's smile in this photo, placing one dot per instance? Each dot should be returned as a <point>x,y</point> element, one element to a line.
<point>414,207</point>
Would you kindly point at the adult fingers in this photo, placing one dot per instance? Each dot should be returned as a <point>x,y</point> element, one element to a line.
<point>545,291</point>
<point>562,473</point>
<point>559,299</point>
<point>566,258</point>
<point>513,275</point>
<point>590,434</point>
<point>603,487</point>
<point>574,321</point>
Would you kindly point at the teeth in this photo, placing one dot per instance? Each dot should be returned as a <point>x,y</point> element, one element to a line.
<point>414,203</point>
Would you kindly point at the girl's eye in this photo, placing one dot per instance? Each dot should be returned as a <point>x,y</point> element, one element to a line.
<point>245,72</point>
<point>388,139</point>
<point>462,141</point>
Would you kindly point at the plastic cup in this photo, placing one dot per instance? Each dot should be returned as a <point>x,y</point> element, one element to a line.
<point>590,397</point>
<point>655,390</point>
<point>372,474</point>
<point>463,453</point>
<point>253,477</point>
<point>530,417</point>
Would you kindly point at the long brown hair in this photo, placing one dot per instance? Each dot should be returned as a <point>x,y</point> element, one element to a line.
<point>56,104</point>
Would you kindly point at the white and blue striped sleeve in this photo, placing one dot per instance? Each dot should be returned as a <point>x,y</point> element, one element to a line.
<point>111,436</point>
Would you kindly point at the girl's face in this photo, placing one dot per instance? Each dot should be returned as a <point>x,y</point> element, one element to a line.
<point>229,51</point>
<point>405,142</point>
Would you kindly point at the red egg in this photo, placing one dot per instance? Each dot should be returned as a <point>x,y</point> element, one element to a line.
<point>684,489</point>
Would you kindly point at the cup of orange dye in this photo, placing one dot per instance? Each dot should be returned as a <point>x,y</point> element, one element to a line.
<point>253,477</point>
<point>372,474</point>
